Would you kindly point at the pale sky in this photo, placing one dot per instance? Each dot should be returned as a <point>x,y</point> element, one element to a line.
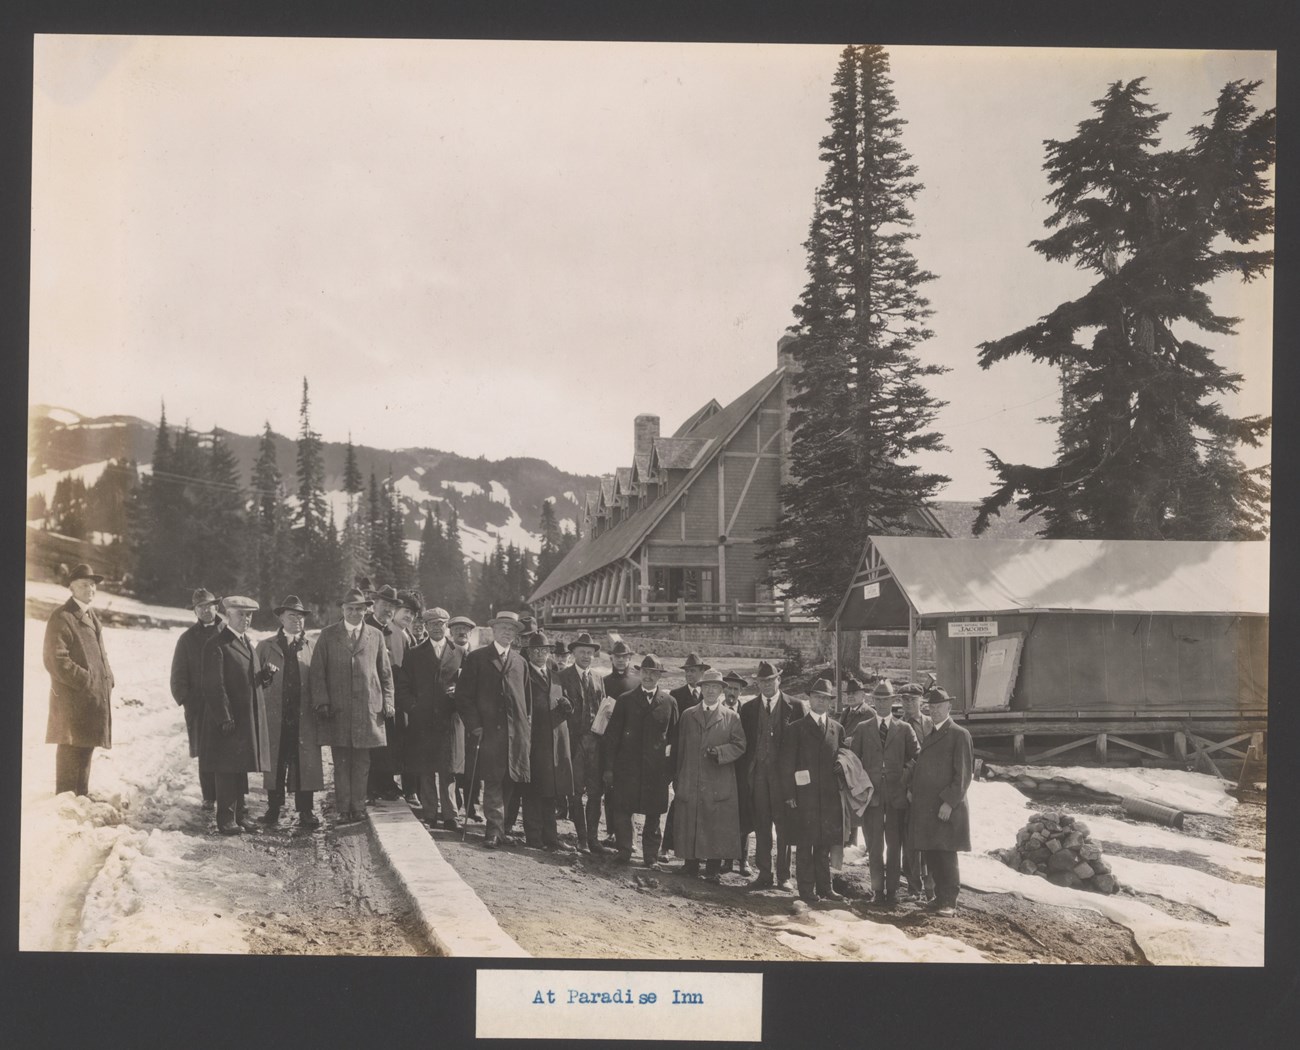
<point>512,248</point>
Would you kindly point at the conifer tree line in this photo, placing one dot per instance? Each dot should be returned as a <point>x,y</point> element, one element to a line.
<point>1145,449</point>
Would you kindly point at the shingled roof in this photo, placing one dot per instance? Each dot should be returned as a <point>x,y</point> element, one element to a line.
<point>707,438</point>
<point>697,417</point>
<point>678,453</point>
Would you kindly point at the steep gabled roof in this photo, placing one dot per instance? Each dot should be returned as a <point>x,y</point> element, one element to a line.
<point>641,468</point>
<point>712,434</point>
<point>679,453</point>
<point>623,481</point>
<point>607,491</point>
<point>697,417</point>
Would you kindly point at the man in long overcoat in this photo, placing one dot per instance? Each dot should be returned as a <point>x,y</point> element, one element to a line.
<point>920,884</point>
<point>585,691</point>
<point>492,702</point>
<point>765,720</point>
<point>940,817</point>
<point>233,737</point>
<point>687,696</point>
<point>385,760</point>
<point>290,718</point>
<point>709,741</point>
<point>187,676</point>
<point>622,678</point>
<point>81,684</point>
<point>733,685</point>
<point>808,752</point>
<point>550,764</point>
<point>639,762</point>
<point>352,692</point>
<point>886,746</point>
<point>428,694</point>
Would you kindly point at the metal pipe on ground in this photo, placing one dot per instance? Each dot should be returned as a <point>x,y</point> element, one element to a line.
<point>1145,809</point>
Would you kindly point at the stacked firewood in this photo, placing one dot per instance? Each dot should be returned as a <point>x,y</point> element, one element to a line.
<point>1058,848</point>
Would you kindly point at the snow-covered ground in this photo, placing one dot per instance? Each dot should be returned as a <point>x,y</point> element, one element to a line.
<point>1190,792</point>
<point>58,594</point>
<point>46,483</point>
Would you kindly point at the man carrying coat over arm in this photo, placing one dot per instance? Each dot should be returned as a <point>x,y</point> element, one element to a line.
<point>939,820</point>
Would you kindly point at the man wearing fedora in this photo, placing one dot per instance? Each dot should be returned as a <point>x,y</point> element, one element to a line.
<point>381,783</point>
<point>187,676</point>
<point>352,693</point>
<point>709,741</point>
<point>550,764</point>
<point>586,692</point>
<point>766,720</point>
<point>638,762</point>
<point>81,684</point>
<point>427,698</point>
<point>621,679</point>
<point>857,704</point>
<point>491,697</point>
<point>233,736</point>
<point>886,747</point>
<point>687,696</point>
<point>290,718</point>
<point>468,796</point>
<point>733,684</point>
<point>809,748</point>
<point>920,885</point>
<point>939,818</point>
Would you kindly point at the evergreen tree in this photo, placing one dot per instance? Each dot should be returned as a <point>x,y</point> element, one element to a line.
<point>454,593</point>
<point>107,499</point>
<point>429,572</point>
<point>399,561</point>
<point>271,550</point>
<point>352,483</point>
<point>37,510</point>
<point>549,555</point>
<point>69,512</point>
<point>860,411</point>
<point>154,542</point>
<point>314,568</point>
<point>376,533</point>
<point>217,532</point>
<point>1144,449</point>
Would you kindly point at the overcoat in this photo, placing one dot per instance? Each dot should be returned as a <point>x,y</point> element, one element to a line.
<point>787,711</point>
<point>638,751</point>
<point>706,804</point>
<point>491,694</point>
<point>685,699</point>
<point>309,775</point>
<point>187,675</point>
<point>819,818</point>
<point>387,759</point>
<point>233,688</point>
<point>551,761</point>
<point>81,681</point>
<point>854,715</point>
<point>356,683</point>
<point>586,702</point>
<point>616,683</point>
<point>941,773</point>
<point>422,695</point>
<point>887,765</point>
<point>922,726</point>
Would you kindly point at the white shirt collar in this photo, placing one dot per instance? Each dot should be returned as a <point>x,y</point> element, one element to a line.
<point>83,606</point>
<point>940,725</point>
<point>502,650</point>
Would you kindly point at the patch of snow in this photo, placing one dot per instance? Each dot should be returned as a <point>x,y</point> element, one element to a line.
<point>567,525</point>
<point>571,496</point>
<point>840,936</point>
<point>419,471</point>
<point>47,482</point>
<point>144,468</point>
<point>96,426</point>
<point>63,415</point>
<point>413,550</point>
<point>103,539</point>
<point>1190,792</point>
<point>549,499</point>
<point>410,488</point>
<point>465,488</point>
<point>45,591</point>
<point>1225,854</point>
<point>498,493</point>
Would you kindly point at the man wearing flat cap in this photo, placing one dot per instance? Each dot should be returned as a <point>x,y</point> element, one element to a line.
<point>81,684</point>
<point>709,740</point>
<point>550,764</point>
<point>384,760</point>
<point>233,736</point>
<point>290,718</point>
<point>352,693</point>
<point>187,676</point>
<point>638,761</point>
<point>427,694</point>
<point>586,692</point>
<point>809,748</point>
<point>491,697</point>
<point>939,819</point>
<point>766,720</point>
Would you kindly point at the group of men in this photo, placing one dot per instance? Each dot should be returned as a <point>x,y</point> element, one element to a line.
<point>394,689</point>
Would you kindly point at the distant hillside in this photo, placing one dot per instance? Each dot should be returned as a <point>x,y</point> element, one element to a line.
<point>492,497</point>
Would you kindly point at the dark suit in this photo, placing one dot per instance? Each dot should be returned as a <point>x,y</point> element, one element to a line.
<point>809,748</point>
<point>386,761</point>
<point>492,696</point>
<point>759,773</point>
<point>233,680</point>
<point>918,878</point>
<point>587,766</point>
<point>426,698</point>
<point>942,773</point>
<point>81,687</point>
<point>884,818</point>
<point>187,687</point>
<point>638,752</point>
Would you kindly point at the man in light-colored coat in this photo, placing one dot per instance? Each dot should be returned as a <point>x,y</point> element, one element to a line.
<point>940,819</point>
<point>352,692</point>
<point>707,813</point>
<point>187,677</point>
<point>290,718</point>
<point>81,684</point>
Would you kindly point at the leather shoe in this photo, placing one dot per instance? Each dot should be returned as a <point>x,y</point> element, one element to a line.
<point>208,805</point>
<point>763,882</point>
<point>831,895</point>
<point>808,898</point>
<point>450,823</point>
<point>308,819</point>
<point>946,912</point>
<point>492,842</point>
<point>691,867</point>
<point>624,856</point>
<point>594,844</point>
<point>785,885</point>
<point>230,829</point>
<point>271,816</point>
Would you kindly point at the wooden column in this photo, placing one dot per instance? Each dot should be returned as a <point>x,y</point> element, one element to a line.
<point>645,580</point>
<point>722,531</point>
<point>839,692</point>
<point>911,643</point>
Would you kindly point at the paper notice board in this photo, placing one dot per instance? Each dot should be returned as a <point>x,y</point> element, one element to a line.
<point>999,665</point>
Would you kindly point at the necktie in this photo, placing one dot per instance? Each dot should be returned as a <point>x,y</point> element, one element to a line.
<point>884,731</point>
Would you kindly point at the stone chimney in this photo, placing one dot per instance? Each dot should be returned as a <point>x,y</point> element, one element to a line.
<point>785,353</point>
<point>645,431</point>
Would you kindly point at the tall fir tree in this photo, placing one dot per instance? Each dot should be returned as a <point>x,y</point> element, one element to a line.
<point>549,553</point>
<point>352,481</point>
<point>219,518</point>
<point>377,533</point>
<point>271,549</point>
<point>1145,450</point>
<point>155,545</point>
<point>454,594</point>
<point>428,574</point>
<point>399,561</point>
<point>312,549</point>
<point>860,412</point>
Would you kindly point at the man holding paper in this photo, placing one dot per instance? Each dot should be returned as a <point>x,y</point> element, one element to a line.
<point>808,752</point>
<point>586,692</point>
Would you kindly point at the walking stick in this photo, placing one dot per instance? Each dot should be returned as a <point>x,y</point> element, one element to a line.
<point>469,788</point>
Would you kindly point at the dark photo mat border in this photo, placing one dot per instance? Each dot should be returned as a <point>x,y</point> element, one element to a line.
<point>141,1000</point>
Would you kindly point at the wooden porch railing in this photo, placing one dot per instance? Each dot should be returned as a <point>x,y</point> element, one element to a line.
<point>680,611</point>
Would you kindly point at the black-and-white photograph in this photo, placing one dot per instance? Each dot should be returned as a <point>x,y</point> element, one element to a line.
<point>648,501</point>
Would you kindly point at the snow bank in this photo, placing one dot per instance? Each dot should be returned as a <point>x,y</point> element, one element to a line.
<point>410,488</point>
<point>498,493</point>
<point>54,593</point>
<point>838,936</point>
<point>1191,792</point>
<point>46,483</point>
<point>465,488</point>
<point>1235,858</point>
